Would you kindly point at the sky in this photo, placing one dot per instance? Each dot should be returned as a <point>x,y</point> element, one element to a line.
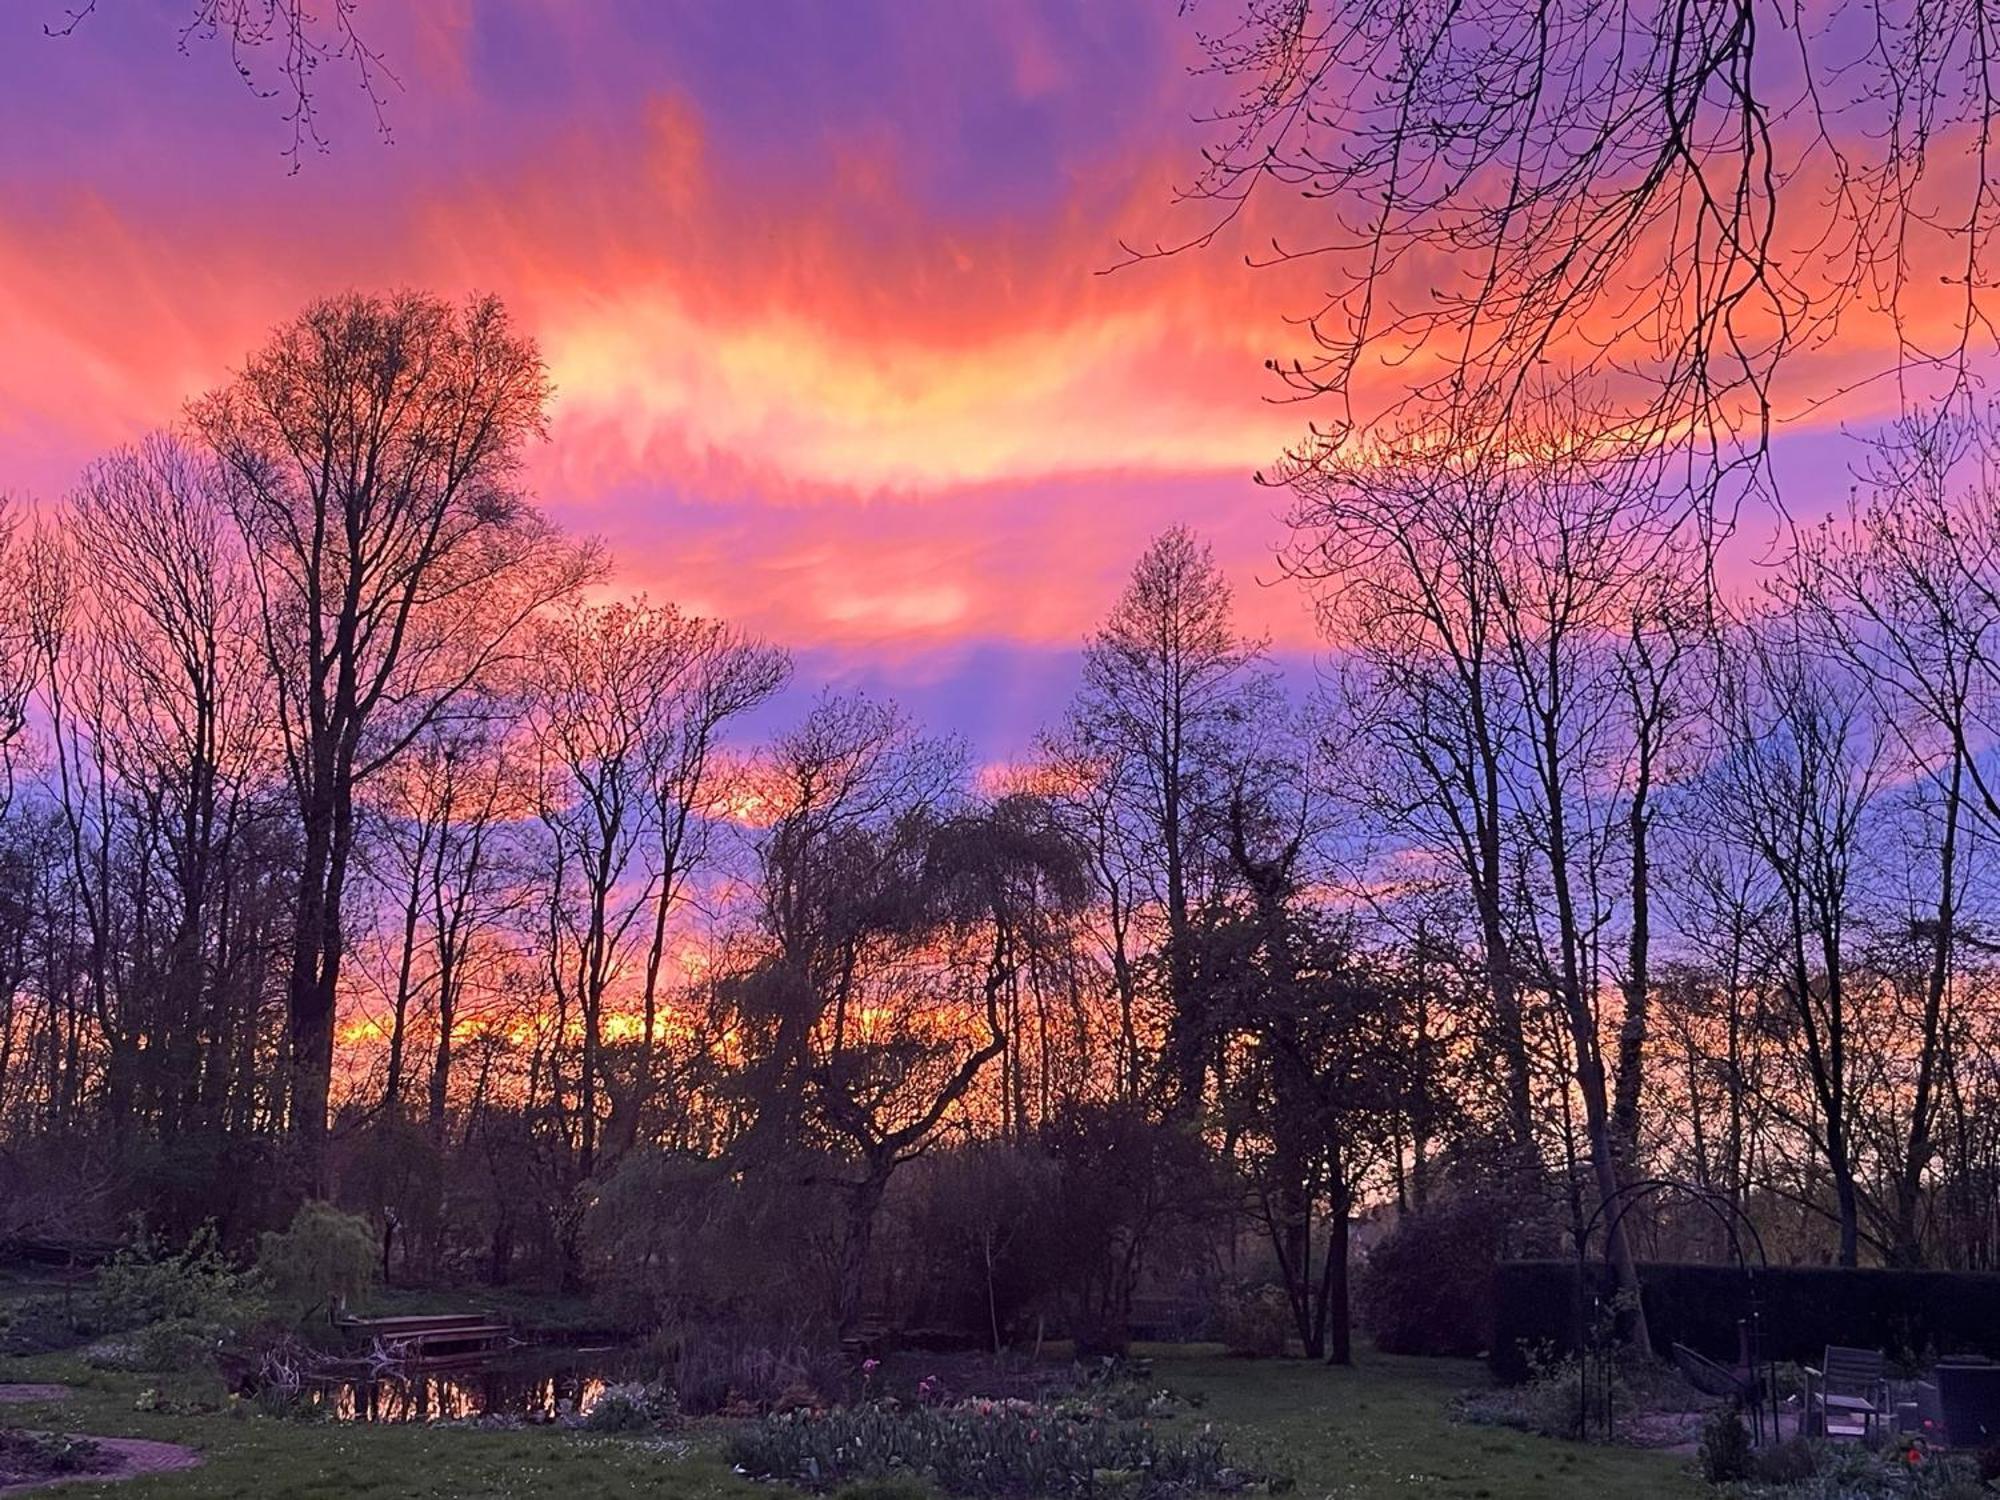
<point>820,288</point>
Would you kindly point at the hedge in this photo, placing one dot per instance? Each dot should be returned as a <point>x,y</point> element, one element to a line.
<point>1910,1315</point>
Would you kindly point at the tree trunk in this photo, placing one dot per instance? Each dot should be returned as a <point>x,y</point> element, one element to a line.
<point>857,1236</point>
<point>1335,1297</point>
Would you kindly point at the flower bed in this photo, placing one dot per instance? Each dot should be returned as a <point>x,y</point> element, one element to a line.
<point>37,1457</point>
<point>993,1448</point>
<point>1904,1468</point>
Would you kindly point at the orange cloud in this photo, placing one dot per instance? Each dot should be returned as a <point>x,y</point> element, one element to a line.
<point>805,396</point>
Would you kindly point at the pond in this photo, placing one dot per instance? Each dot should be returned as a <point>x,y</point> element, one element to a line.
<point>534,1385</point>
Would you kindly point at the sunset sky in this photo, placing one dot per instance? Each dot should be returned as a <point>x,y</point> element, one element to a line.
<point>819,287</point>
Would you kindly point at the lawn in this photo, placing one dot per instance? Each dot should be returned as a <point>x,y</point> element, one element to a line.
<point>1384,1428</point>
<point>1381,1429</point>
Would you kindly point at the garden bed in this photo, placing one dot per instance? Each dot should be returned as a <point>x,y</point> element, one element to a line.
<point>989,1448</point>
<point>37,1460</point>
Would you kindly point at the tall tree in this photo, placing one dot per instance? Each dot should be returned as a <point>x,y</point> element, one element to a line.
<point>1795,789</point>
<point>1313,1067</point>
<point>1502,604</point>
<point>371,454</point>
<point>628,706</point>
<point>1167,685</point>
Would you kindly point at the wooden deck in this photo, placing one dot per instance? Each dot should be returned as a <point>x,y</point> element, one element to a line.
<point>432,1336</point>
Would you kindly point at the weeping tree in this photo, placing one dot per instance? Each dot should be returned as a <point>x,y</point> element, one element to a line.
<point>897,911</point>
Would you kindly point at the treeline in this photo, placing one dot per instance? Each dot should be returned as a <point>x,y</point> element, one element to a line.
<point>359,847</point>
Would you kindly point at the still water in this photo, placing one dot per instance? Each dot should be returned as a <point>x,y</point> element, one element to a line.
<point>531,1386</point>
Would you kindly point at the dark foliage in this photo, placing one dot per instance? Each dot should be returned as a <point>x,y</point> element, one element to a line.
<point>1427,1286</point>
<point>1725,1453</point>
<point>33,1458</point>
<point>1802,1309</point>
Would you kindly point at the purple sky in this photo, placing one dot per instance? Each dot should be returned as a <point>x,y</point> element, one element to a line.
<point>818,284</point>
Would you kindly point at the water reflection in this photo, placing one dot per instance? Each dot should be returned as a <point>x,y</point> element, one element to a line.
<point>526,1389</point>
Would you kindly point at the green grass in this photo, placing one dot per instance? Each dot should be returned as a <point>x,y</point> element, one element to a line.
<point>1382,1428</point>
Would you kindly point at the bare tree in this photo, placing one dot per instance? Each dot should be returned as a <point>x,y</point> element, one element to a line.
<point>1795,787</point>
<point>1677,199</point>
<point>1166,684</point>
<point>1902,593</point>
<point>440,851</point>
<point>628,705</point>
<point>295,38</point>
<point>1502,605</point>
<point>371,453</point>
<point>721,675</point>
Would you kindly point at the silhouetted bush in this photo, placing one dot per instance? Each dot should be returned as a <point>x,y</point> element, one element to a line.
<point>977,1250</point>
<point>1427,1286</point>
<point>1132,1196</point>
<point>1254,1322</point>
<point>634,1406</point>
<point>148,1282</point>
<point>674,1240</point>
<point>730,1367</point>
<point>1725,1454</point>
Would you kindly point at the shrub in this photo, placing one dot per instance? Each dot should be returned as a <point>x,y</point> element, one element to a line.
<point>1989,1464</point>
<point>395,1167</point>
<point>986,1448</point>
<point>1254,1323</point>
<point>673,1239</point>
<point>41,1325</point>
<point>1725,1453</point>
<point>325,1254</point>
<point>633,1407</point>
<point>1555,1401</point>
<point>1791,1462</point>
<point>170,1346</point>
<point>147,1283</point>
<point>976,1252</point>
<point>1130,1194</point>
<point>1567,1402</point>
<point>714,1367</point>
<point>191,1396</point>
<point>1427,1286</point>
<point>1849,1471</point>
<point>178,1345</point>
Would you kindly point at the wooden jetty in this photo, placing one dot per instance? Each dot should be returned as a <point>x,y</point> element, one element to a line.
<point>425,1337</point>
